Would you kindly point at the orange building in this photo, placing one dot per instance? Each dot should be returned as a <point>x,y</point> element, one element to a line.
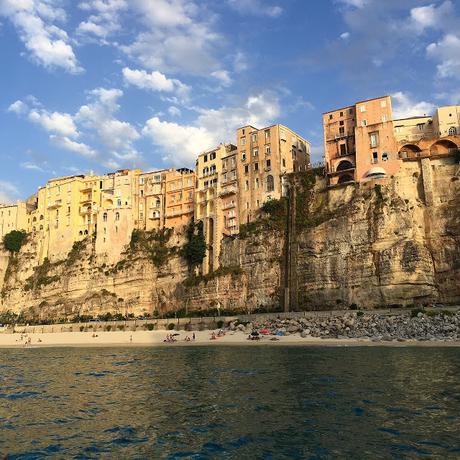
<point>359,142</point>
<point>180,197</point>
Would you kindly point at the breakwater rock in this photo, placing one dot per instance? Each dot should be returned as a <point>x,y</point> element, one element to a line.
<point>430,325</point>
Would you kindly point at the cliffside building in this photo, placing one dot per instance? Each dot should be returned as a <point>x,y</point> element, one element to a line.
<point>364,142</point>
<point>265,156</point>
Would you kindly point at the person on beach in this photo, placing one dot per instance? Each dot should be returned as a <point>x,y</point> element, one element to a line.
<point>213,336</point>
<point>131,338</point>
<point>193,337</point>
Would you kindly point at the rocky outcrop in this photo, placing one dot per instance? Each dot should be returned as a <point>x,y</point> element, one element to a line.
<point>370,245</point>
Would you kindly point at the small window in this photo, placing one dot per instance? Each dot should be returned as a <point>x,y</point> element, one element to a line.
<point>243,156</point>
<point>205,159</point>
<point>256,166</point>
<point>384,156</point>
<point>269,164</point>
<point>255,152</point>
<point>104,217</point>
<point>243,141</point>
<point>453,131</point>
<point>375,157</point>
<point>362,109</point>
<point>384,118</point>
<point>330,117</point>
<point>420,126</point>
<point>341,122</point>
<point>364,123</point>
<point>267,150</point>
<point>246,169</point>
<point>270,184</point>
<point>117,216</point>
<point>341,114</point>
<point>383,104</point>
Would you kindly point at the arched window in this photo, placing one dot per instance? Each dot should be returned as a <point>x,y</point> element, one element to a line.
<point>453,131</point>
<point>158,203</point>
<point>104,217</point>
<point>41,217</point>
<point>270,183</point>
<point>117,216</point>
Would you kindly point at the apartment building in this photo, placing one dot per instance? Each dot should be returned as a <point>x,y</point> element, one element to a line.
<point>363,142</point>
<point>179,197</point>
<point>359,141</point>
<point>13,217</point>
<point>215,192</point>
<point>265,157</point>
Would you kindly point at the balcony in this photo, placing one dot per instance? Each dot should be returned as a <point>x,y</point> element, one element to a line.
<point>228,191</point>
<point>55,204</point>
<point>87,199</point>
<point>85,211</point>
<point>228,206</point>
<point>86,189</point>
<point>343,135</point>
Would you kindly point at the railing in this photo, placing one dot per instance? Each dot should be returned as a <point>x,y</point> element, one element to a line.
<point>343,135</point>
<point>229,206</point>
<point>55,204</point>
<point>228,191</point>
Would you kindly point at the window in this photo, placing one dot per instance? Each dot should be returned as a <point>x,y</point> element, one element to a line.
<point>341,130</point>
<point>364,123</point>
<point>267,150</point>
<point>142,192</point>
<point>269,164</point>
<point>117,216</point>
<point>398,129</point>
<point>104,217</point>
<point>343,149</point>
<point>205,159</point>
<point>341,114</point>
<point>270,183</point>
<point>267,135</point>
<point>243,131</point>
<point>255,152</point>
<point>157,203</point>
<point>341,123</point>
<point>284,162</point>
<point>212,156</point>
<point>384,156</point>
<point>330,117</point>
<point>375,157</point>
<point>256,166</point>
<point>453,131</point>
<point>374,139</point>
<point>420,126</point>
<point>254,137</point>
<point>350,111</point>
<point>224,177</point>
<point>141,181</point>
<point>383,104</point>
<point>246,169</point>
<point>243,141</point>
<point>246,185</point>
<point>362,109</point>
<point>256,183</point>
<point>384,118</point>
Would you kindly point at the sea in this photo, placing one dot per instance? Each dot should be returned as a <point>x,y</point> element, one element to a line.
<point>230,402</point>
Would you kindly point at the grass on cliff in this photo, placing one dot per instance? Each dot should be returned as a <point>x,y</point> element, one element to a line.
<point>40,276</point>
<point>196,280</point>
<point>194,250</point>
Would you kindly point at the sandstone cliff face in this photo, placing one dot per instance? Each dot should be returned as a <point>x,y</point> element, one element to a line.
<point>388,242</point>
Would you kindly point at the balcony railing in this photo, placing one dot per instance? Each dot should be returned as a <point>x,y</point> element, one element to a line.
<point>343,135</point>
<point>228,191</point>
<point>55,204</point>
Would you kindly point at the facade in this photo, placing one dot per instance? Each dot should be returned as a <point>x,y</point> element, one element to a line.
<point>12,217</point>
<point>359,141</point>
<point>215,191</point>
<point>179,197</point>
<point>265,156</point>
<point>363,142</point>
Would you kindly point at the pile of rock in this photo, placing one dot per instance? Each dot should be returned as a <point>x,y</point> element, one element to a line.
<point>359,325</point>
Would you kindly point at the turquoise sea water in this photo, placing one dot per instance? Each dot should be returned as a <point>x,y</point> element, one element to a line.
<point>230,402</point>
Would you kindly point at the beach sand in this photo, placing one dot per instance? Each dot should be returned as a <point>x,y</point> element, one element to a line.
<point>156,338</point>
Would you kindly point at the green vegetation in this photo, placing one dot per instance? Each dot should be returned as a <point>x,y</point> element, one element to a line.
<point>194,250</point>
<point>14,240</point>
<point>171,326</point>
<point>8,318</point>
<point>235,271</point>
<point>75,252</point>
<point>220,324</point>
<point>40,277</point>
<point>149,326</point>
<point>151,244</point>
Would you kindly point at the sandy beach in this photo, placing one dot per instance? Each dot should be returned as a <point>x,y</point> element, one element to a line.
<point>202,338</point>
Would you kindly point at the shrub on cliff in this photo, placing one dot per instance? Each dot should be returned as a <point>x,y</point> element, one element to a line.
<point>194,250</point>
<point>14,240</point>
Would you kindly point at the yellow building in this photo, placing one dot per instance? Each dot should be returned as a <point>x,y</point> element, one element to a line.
<point>265,157</point>
<point>179,198</point>
<point>413,129</point>
<point>216,189</point>
<point>12,217</point>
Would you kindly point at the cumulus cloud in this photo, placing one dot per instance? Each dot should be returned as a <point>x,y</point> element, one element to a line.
<point>405,106</point>
<point>174,111</point>
<point>181,143</point>
<point>447,53</point>
<point>68,144</point>
<point>432,16</point>
<point>55,122</point>
<point>256,8</point>
<point>48,44</point>
<point>104,19</point>
<point>18,107</point>
<point>223,76</point>
<point>154,81</point>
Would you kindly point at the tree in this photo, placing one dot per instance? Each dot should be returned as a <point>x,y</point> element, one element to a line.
<point>14,240</point>
<point>194,250</point>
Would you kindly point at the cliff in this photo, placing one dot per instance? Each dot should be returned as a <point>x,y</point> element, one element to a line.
<point>392,241</point>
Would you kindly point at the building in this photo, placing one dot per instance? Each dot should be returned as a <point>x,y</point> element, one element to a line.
<point>265,157</point>
<point>359,141</point>
<point>216,199</point>
<point>363,142</point>
<point>12,217</point>
<point>179,197</point>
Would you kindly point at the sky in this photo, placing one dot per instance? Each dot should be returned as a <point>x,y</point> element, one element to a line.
<point>100,85</point>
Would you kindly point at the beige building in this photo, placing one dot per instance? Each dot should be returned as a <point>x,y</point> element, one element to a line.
<point>179,197</point>
<point>265,156</point>
<point>215,190</point>
<point>12,217</point>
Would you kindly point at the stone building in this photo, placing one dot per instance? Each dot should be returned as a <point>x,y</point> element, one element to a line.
<point>13,217</point>
<point>363,142</point>
<point>265,157</point>
<point>216,189</point>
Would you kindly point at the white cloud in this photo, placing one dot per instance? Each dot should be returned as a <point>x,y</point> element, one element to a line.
<point>8,192</point>
<point>404,106</point>
<point>255,7</point>
<point>18,107</point>
<point>105,18</point>
<point>48,44</point>
<point>68,144</point>
<point>223,76</point>
<point>154,81</point>
<point>55,122</point>
<point>447,52</point>
<point>174,111</point>
<point>431,16</point>
<point>182,143</point>
<point>345,35</point>
<point>355,3</point>
<point>32,166</point>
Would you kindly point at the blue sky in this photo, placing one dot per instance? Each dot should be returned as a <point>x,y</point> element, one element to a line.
<point>98,85</point>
